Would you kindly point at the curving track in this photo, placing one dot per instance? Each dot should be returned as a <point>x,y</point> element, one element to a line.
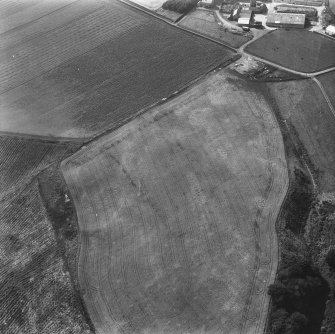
<point>177,213</point>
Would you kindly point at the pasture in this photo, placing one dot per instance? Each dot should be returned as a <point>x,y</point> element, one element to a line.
<point>205,23</point>
<point>177,211</point>
<point>302,103</point>
<point>312,52</point>
<point>92,65</point>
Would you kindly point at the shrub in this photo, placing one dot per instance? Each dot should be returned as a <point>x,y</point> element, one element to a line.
<point>278,321</point>
<point>330,258</point>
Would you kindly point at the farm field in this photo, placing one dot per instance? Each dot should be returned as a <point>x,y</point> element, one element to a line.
<point>21,159</point>
<point>84,75</point>
<point>205,23</point>
<point>301,102</point>
<point>177,211</point>
<point>35,286</point>
<point>328,82</point>
<point>312,52</point>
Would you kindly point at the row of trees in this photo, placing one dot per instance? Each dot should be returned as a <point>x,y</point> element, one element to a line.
<point>180,6</point>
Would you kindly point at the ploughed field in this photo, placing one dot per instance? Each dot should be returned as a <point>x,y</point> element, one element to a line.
<point>303,105</point>
<point>177,213</point>
<point>86,66</point>
<point>312,52</point>
<point>23,158</point>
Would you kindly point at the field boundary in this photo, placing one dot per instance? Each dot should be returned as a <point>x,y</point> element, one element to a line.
<point>41,138</point>
<point>187,86</point>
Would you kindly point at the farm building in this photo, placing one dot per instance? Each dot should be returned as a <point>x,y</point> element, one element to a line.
<point>330,30</point>
<point>305,2</point>
<point>310,12</point>
<point>206,3</point>
<point>286,20</point>
<point>245,18</point>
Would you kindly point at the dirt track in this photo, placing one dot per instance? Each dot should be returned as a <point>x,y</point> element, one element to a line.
<point>177,212</point>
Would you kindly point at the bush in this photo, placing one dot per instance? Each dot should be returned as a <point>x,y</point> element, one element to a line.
<point>180,6</point>
<point>278,321</point>
<point>330,258</point>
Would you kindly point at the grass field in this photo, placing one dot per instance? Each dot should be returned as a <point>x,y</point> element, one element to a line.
<point>301,102</point>
<point>77,71</point>
<point>176,212</point>
<point>312,52</point>
<point>328,82</point>
<point>204,22</point>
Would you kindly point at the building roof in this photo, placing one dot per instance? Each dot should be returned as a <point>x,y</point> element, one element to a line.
<point>286,18</point>
<point>295,9</point>
<point>331,29</point>
<point>246,14</point>
<point>243,21</point>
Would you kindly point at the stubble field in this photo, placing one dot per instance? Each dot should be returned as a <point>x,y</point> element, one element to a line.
<point>177,211</point>
<point>91,65</point>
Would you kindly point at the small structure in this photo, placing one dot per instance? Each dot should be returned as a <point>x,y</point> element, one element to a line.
<point>206,4</point>
<point>286,20</point>
<point>310,12</point>
<point>330,30</point>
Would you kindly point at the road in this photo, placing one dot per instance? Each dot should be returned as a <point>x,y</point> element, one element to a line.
<point>325,95</point>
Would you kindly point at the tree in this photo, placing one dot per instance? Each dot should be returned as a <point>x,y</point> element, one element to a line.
<point>298,322</point>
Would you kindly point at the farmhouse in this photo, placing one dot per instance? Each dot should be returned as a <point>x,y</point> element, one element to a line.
<point>206,3</point>
<point>286,20</point>
<point>330,30</point>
